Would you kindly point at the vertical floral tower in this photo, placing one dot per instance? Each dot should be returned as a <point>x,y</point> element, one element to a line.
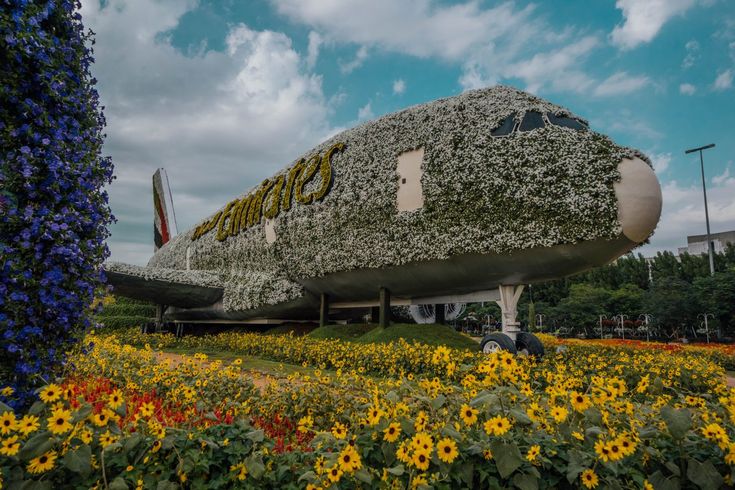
<point>53,209</point>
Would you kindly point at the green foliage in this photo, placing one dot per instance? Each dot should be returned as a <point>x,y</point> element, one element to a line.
<point>429,334</point>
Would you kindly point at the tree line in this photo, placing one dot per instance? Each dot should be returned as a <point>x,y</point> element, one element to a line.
<point>675,291</point>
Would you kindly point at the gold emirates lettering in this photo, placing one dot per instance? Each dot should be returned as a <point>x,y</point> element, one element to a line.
<point>267,201</point>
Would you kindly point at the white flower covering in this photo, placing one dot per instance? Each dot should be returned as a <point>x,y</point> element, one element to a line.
<point>193,278</point>
<point>482,195</point>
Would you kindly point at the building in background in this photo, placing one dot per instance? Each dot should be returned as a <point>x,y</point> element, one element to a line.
<point>697,244</point>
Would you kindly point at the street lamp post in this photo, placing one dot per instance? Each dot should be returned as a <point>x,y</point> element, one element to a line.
<point>706,211</point>
<point>706,324</point>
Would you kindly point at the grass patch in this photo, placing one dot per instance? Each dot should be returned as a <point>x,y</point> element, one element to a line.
<point>431,334</point>
<point>298,329</point>
<point>350,332</point>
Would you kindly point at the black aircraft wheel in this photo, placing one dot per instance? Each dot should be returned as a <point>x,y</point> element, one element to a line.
<point>495,342</point>
<point>529,345</point>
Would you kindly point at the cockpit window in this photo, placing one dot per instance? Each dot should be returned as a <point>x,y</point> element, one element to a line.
<point>531,120</point>
<point>506,127</point>
<point>566,122</point>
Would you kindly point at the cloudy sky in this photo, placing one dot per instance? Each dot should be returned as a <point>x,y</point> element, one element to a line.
<point>223,93</point>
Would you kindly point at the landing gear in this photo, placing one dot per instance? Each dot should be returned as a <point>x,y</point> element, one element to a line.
<point>495,342</point>
<point>527,344</point>
<point>511,339</point>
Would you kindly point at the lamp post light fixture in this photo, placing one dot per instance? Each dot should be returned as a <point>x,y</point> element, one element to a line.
<point>706,325</point>
<point>706,211</point>
<point>540,321</point>
<point>646,321</point>
<point>622,319</point>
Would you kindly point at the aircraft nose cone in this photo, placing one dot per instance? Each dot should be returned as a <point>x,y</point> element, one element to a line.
<point>639,199</point>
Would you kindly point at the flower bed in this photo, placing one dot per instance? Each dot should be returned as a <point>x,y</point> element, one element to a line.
<point>722,354</point>
<point>624,419</point>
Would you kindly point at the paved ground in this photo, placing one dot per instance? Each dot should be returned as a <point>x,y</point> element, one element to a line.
<point>260,379</point>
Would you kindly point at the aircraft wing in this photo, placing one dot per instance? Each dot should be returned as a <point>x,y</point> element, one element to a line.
<point>173,287</point>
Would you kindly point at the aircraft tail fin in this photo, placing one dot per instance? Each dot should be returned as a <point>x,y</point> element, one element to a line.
<point>164,218</point>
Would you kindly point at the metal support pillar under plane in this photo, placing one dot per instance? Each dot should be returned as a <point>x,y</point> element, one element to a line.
<point>440,314</point>
<point>374,314</point>
<point>509,296</point>
<point>384,315</point>
<point>324,310</point>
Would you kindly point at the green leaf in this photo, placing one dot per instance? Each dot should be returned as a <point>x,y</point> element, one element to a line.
<point>673,467</point>
<point>363,475</point>
<point>37,408</point>
<point>79,461</point>
<point>397,470</point>
<point>593,415</point>
<point>507,457</point>
<point>131,442</point>
<point>167,485</point>
<point>36,446</point>
<point>392,397</point>
<point>255,466</point>
<point>678,421</point>
<point>660,482</point>
<point>520,417</point>
<point>466,473</point>
<point>119,484</point>
<point>308,476</point>
<point>485,399</point>
<point>438,402</point>
<point>4,408</point>
<point>255,435</point>
<point>81,414</point>
<point>524,481</point>
<point>704,475</point>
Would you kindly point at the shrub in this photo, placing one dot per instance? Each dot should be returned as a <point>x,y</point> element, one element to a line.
<point>54,212</point>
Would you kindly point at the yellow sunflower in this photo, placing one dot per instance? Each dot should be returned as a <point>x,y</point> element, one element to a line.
<point>28,424</point>
<point>468,414</point>
<point>349,460</point>
<point>42,463</point>
<point>392,432</point>
<point>421,460</point>
<point>9,446</point>
<point>50,393</point>
<point>446,449</point>
<point>115,399</point>
<point>60,421</point>
<point>7,423</point>
<point>589,479</point>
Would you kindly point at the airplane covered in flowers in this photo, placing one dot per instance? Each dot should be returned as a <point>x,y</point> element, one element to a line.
<point>462,199</point>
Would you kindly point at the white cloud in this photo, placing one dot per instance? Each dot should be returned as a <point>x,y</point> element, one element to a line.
<point>365,112</point>
<point>724,176</point>
<point>660,161</point>
<point>356,62</point>
<point>419,28</point>
<point>687,89</point>
<point>315,41</point>
<point>723,80</point>
<point>543,68</point>
<point>643,19</point>
<point>219,122</point>
<point>399,86</point>
<point>692,49</point>
<point>683,213</point>
<point>621,83</point>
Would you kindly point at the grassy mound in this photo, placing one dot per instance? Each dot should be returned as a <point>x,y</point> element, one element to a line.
<point>297,329</point>
<point>351,332</point>
<point>431,334</point>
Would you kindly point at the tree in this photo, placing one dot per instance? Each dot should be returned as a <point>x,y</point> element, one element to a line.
<point>55,211</point>
<point>672,303</point>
